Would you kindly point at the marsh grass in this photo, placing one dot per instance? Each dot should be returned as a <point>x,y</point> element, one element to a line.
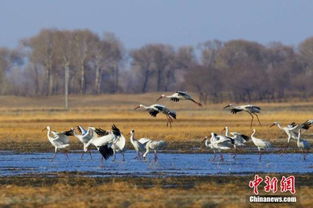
<point>23,118</point>
<point>69,191</point>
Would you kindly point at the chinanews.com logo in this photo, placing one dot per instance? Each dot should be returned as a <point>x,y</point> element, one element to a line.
<point>270,185</point>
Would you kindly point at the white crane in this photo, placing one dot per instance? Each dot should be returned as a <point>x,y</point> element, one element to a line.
<point>210,145</point>
<point>303,144</point>
<point>154,146</point>
<point>251,109</point>
<point>219,143</point>
<point>85,137</point>
<point>109,143</point>
<point>59,140</point>
<point>292,129</point>
<point>139,145</point>
<point>154,109</point>
<point>240,139</point>
<point>259,143</point>
<point>179,95</point>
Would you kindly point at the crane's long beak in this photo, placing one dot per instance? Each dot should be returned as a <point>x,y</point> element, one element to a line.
<point>226,106</point>
<point>137,107</point>
<point>272,125</point>
<point>44,129</point>
<point>204,139</point>
<point>159,98</point>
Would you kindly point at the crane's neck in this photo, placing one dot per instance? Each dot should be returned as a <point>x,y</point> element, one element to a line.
<point>278,125</point>
<point>48,132</point>
<point>226,131</point>
<point>132,137</point>
<point>252,135</point>
<point>144,106</point>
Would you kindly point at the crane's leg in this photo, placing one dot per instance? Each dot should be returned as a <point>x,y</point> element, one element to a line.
<point>114,156</point>
<point>214,158</point>
<point>260,155</point>
<point>101,162</point>
<point>55,153</point>
<point>235,154</point>
<point>222,157</point>
<point>155,156</point>
<point>145,154</point>
<point>90,154</point>
<point>257,118</point>
<point>81,157</point>
<point>303,154</point>
<point>67,155</point>
<point>123,156</point>
<point>251,119</point>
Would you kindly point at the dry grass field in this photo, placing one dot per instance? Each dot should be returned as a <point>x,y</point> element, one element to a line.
<point>68,191</point>
<point>22,119</point>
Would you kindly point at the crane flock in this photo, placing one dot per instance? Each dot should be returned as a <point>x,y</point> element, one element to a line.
<point>110,142</point>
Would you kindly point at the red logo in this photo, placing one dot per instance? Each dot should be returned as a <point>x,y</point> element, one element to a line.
<point>286,184</point>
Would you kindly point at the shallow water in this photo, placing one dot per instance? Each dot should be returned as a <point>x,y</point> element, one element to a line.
<point>169,164</point>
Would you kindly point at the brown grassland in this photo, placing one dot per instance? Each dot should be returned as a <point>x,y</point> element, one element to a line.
<point>68,191</point>
<point>23,118</point>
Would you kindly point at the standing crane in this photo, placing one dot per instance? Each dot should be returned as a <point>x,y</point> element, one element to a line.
<point>154,109</point>
<point>179,95</point>
<point>303,144</point>
<point>253,110</point>
<point>240,139</point>
<point>59,140</point>
<point>84,137</point>
<point>219,143</point>
<point>155,146</point>
<point>292,129</point>
<point>259,143</point>
<point>139,145</point>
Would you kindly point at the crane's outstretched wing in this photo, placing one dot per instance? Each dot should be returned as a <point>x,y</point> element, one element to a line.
<point>81,130</point>
<point>101,132</point>
<point>306,125</point>
<point>174,99</point>
<point>153,113</point>
<point>235,110</point>
<point>172,114</point>
<point>182,93</point>
<point>106,151</point>
<point>68,133</point>
<point>116,131</point>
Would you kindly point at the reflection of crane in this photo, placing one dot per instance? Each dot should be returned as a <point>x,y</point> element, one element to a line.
<point>251,109</point>
<point>154,109</point>
<point>179,95</point>
<point>303,144</point>
<point>139,145</point>
<point>259,143</point>
<point>108,142</point>
<point>85,137</point>
<point>59,139</point>
<point>155,146</point>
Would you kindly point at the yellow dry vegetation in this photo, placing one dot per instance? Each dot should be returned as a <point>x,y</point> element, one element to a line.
<point>23,118</point>
<point>127,194</point>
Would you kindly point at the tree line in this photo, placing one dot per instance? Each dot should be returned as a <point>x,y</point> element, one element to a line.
<point>55,62</point>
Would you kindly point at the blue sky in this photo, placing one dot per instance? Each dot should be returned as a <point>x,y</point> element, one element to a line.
<point>176,22</point>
